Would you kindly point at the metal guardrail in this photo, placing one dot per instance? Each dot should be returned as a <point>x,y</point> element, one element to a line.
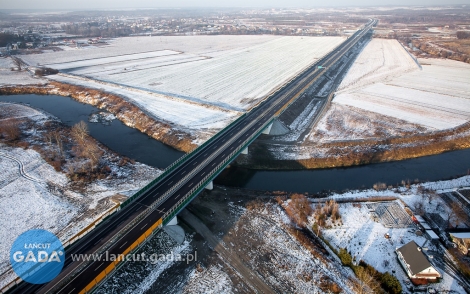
<point>195,190</point>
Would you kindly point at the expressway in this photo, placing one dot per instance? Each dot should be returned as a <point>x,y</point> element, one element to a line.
<point>120,232</point>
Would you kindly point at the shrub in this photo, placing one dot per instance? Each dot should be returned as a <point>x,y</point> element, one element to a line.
<point>346,258</point>
<point>390,284</point>
<point>44,71</point>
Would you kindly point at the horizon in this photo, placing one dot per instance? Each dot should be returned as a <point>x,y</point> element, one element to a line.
<point>54,5</point>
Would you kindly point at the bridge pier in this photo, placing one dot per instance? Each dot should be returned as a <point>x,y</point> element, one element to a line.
<point>173,222</point>
<point>210,186</point>
<point>267,129</point>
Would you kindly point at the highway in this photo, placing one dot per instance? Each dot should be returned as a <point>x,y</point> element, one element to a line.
<point>145,214</point>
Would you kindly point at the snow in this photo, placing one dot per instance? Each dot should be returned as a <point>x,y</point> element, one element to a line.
<point>15,77</point>
<point>210,280</point>
<point>231,72</point>
<point>33,195</point>
<point>190,116</point>
<point>386,80</point>
<point>111,59</point>
<point>364,238</point>
<point>235,80</point>
<point>202,45</point>
<point>415,106</point>
<point>342,122</point>
<point>26,204</point>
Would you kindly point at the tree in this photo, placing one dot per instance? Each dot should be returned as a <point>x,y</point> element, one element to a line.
<point>365,282</point>
<point>11,130</point>
<point>455,214</point>
<point>390,284</point>
<point>17,62</point>
<point>80,132</point>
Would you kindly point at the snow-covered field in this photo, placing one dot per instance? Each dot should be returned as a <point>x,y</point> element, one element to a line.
<point>190,116</point>
<point>343,122</point>
<point>202,45</point>
<point>231,77</point>
<point>386,80</point>
<point>14,77</point>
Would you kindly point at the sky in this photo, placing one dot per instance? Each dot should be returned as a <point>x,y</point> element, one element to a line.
<point>116,4</point>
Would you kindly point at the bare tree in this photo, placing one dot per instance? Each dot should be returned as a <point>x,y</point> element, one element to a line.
<point>80,131</point>
<point>365,283</point>
<point>418,206</point>
<point>17,62</point>
<point>455,214</point>
<point>58,139</point>
<point>11,129</point>
<point>92,152</point>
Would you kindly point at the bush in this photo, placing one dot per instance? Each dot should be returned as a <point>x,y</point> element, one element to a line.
<point>346,258</point>
<point>390,284</point>
<point>44,71</point>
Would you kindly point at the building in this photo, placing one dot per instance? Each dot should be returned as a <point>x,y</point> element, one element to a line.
<point>462,239</point>
<point>415,263</point>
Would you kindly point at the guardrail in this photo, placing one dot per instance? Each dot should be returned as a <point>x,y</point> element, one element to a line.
<point>179,161</point>
<point>195,190</point>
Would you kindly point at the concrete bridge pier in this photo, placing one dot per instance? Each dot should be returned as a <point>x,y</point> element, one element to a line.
<point>210,186</point>
<point>173,222</point>
<point>267,129</point>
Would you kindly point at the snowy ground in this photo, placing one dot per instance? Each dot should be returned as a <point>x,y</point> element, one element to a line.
<point>190,116</point>
<point>14,77</point>
<point>386,80</point>
<point>234,77</point>
<point>34,195</point>
<point>364,238</point>
<point>211,281</point>
<point>343,122</point>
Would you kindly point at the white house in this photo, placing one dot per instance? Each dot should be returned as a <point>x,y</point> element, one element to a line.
<point>415,263</point>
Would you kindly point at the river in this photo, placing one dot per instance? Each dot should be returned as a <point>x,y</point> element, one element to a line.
<point>136,145</point>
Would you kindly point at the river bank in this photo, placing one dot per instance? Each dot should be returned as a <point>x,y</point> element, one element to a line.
<point>125,111</point>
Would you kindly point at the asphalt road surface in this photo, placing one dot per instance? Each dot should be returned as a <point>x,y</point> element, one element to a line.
<point>197,165</point>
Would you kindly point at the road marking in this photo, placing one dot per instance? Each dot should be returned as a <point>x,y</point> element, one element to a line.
<point>98,241</point>
<point>123,244</point>
<point>170,183</point>
<point>178,196</point>
<point>195,163</point>
<point>98,266</point>
<point>183,172</point>
<point>143,226</point>
<point>214,163</point>
<point>190,185</point>
<point>203,173</point>
<point>72,290</point>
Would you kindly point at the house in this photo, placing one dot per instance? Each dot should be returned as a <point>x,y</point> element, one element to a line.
<point>415,263</point>
<point>462,239</point>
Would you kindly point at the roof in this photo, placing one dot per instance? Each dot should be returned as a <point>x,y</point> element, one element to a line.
<point>432,234</point>
<point>462,235</point>
<point>415,259</point>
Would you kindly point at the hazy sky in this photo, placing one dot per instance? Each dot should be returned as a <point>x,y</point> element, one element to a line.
<point>113,4</point>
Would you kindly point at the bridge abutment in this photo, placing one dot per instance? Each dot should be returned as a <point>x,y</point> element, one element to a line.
<point>210,186</point>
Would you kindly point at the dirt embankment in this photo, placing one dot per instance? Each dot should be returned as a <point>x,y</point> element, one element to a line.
<point>125,111</point>
<point>360,152</point>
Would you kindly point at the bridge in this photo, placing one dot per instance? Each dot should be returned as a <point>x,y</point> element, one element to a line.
<point>154,206</point>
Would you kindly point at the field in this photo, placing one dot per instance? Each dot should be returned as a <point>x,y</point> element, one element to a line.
<point>387,81</point>
<point>231,77</point>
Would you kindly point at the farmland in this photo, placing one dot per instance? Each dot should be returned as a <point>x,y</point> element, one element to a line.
<point>386,80</point>
<point>234,78</point>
